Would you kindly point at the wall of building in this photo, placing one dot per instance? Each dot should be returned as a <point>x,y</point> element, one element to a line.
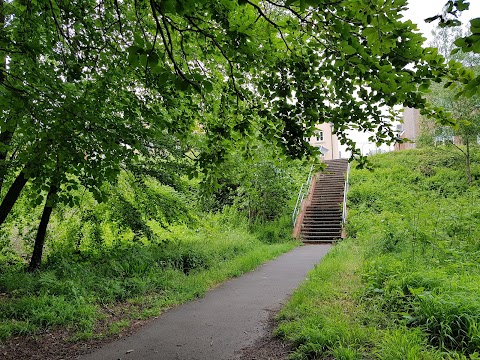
<point>410,129</point>
<point>326,141</point>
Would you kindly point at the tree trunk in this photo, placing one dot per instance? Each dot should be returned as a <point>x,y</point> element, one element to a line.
<point>5,138</point>
<point>467,161</point>
<point>42,229</point>
<point>5,135</point>
<point>12,196</point>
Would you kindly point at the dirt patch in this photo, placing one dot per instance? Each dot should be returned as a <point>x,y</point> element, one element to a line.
<point>268,347</point>
<point>57,344</point>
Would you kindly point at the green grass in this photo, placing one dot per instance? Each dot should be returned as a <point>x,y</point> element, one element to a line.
<point>324,317</point>
<point>137,280</point>
<point>405,284</point>
<point>147,247</point>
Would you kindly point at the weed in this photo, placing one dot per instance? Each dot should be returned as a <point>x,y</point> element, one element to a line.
<point>411,260</point>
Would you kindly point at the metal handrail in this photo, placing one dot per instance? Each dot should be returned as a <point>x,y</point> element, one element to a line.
<point>345,190</point>
<point>301,196</point>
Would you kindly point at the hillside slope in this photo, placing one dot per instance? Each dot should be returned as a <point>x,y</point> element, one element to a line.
<point>405,284</point>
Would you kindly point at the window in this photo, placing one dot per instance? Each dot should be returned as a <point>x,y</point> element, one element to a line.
<point>319,136</point>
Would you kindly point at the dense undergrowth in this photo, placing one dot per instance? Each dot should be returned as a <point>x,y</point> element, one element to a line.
<point>146,248</point>
<point>405,284</point>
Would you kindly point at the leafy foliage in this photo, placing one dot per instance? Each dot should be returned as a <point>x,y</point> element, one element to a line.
<point>91,88</point>
<point>144,245</point>
<point>468,43</point>
<point>404,284</point>
<point>261,186</point>
<point>463,109</point>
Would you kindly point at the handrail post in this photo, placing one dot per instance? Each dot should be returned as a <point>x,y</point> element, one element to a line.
<point>345,190</point>
<point>303,200</point>
<point>301,196</point>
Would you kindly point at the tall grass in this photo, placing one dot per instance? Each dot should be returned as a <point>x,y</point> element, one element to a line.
<point>145,249</point>
<point>412,262</point>
<point>74,290</point>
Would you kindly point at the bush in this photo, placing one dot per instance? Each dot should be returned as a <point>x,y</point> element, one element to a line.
<point>411,291</point>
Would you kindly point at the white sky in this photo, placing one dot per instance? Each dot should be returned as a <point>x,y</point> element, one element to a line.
<point>418,10</point>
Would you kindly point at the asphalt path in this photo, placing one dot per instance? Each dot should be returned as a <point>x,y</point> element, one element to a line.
<point>226,320</point>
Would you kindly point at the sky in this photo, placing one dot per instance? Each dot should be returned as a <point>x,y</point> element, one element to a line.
<point>418,10</point>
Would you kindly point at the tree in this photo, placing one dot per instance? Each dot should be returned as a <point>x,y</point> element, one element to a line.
<point>465,110</point>
<point>468,44</point>
<point>90,85</point>
<point>77,123</point>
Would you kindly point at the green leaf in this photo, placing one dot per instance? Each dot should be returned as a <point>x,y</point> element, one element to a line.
<point>476,47</point>
<point>182,84</point>
<point>302,5</point>
<point>138,38</point>
<point>207,85</point>
<point>461,5</point>
<point>39,201</point>
<point>143,60</point>
<point>475,23</point>
<point>153,60</point>
<point>431,19</point>
<point>349,50</point>
<point>424,87</point>
<point>133,59</point>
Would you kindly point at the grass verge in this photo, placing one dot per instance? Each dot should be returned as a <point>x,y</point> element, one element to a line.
<point>405,284</point>
<point>100,293</point>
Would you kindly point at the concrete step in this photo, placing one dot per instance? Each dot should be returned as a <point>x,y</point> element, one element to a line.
<point>320,238</point>
<point>322,219</point>
<point>314,242</point>
<point>328,201</point>
<point>320,215</point>
<point>331,224</point>
<point>321,209</point>
<point>322,222</point>
<point>320,202</point>
<point>331,202</point>
<point>321,233</point>
<point>326,227</point>
<point>327,190</point>
<point>321,230</point>
<point>326,224</point>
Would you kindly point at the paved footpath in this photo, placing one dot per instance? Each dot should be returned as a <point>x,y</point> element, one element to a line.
<point>219,325</point>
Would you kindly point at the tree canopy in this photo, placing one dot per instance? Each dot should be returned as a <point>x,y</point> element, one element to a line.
<point>469,43</point>
<point>89,86</point>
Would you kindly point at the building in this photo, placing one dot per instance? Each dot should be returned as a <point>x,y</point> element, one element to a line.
<point>409,129</point>
<point>326,141</point>
<point>413,126</point>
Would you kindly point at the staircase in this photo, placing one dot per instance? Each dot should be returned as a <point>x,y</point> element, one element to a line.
<point>322,221</point>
